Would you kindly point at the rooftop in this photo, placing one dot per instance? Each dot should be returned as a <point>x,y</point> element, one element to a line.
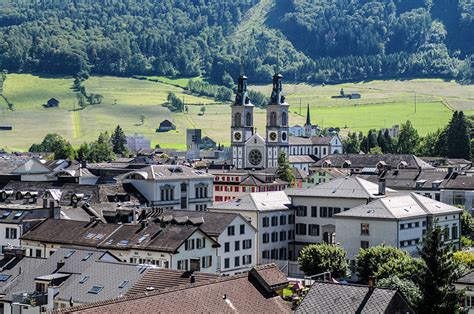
<point>259,201</point>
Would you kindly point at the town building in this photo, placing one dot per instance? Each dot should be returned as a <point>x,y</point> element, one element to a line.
<point>193,142</point>
<point>465,284</point>
<point>177,244</point>
<point>165,126</point>
<point>322,175</point>
<point>52,102</point>
<point>272,215</point>
<point>173,186</point>
<point>254,292</point>
<point>231,184</point>
<point>316,207</point>
<point>332,297</point>
<point>137,142</point>
<point>399,221</point>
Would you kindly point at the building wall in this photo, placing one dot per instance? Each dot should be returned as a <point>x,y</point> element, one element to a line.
<point>196,253</point>
<point>3,235</point>
<point>224,237</point>
<point>280,243</point>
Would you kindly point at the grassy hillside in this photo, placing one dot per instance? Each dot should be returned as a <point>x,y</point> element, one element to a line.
<point>383,103</point>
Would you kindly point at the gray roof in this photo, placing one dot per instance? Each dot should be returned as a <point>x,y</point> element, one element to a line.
<point>260,201</point>
<point>346,187</point>
<point>166,172</point>
<point>467,278</point>
<point>400,207</point>
<point>328,297</point>
<point>367,160</point>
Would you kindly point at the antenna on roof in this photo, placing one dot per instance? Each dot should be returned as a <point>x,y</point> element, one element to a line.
<point>241,65</point>
<point>278,63</point>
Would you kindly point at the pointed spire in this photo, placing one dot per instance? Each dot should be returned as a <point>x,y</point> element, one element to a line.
<point>308,117</point>
<point>241,96</point>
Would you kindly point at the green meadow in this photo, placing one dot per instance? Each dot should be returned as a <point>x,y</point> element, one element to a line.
<point>383,104</point>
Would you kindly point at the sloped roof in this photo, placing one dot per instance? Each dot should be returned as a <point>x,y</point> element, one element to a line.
<point>467,278</point>
<point>346,187</point>
<point>165,172</point>
<point>400,207</point>
<point>259,201</point>
<point>368,160</point>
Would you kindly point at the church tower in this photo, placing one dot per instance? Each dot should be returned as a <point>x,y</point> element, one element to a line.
<point>307,125</point>
<point>277,123</point>
<point>242,123</point>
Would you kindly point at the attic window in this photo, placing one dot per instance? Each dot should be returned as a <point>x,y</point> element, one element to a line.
<point>69,254</point>
<point>17,215</point>
<point>83,279</point>
<point>87,256</point>
<point>6,214</point>
<point>4,277</point>
<point>95,289</point>
<point>123,242</point>
<point>123,284</point>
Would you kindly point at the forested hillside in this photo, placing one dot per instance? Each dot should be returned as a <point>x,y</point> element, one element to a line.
<point>315,40</point>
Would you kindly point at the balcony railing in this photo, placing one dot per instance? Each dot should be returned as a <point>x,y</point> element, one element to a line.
<point>30,298</point>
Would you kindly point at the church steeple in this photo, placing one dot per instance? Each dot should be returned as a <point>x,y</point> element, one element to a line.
<point>308,117</point>
<point>277,97</point>
<point>308,128</point>
<point>241,97</point>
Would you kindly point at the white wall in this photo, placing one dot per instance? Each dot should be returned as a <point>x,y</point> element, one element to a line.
<point>3,232</point>
<point>208,250</point>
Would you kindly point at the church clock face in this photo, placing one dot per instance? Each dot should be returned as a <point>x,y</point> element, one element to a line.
<point>237,136</point>
<point>273,136</point>
<point>255,157</point>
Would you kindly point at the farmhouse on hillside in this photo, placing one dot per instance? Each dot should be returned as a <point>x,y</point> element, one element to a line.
<point>165,126</point>
<point>53,102</point>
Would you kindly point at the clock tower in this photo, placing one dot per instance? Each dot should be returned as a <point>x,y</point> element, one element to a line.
<point>277,123</point>
<point>242,123</point>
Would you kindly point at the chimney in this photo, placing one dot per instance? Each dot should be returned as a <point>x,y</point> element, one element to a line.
<point>450,170</point>
<point>51,209</point>
<point>84,164</point>
<point>371,283</point>
<point>381,186</point>
<point>45,203</point>
<point>193,279</point>
<point>60,264</point>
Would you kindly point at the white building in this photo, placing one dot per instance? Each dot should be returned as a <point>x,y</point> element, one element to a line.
<point>36,169</point>
<point>173,187</point>
<point>466,285</point>
<point>236,236</point>
<point>137,142</point>
<point>399,221</point>
<point>316,206</point>
<point>273,217</point>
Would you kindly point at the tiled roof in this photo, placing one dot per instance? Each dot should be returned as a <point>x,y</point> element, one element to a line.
<point>260,201</point>
<point>328,297</point>
<point>367,160</point>
<point>459,182</point>
<point>166,172</point>
<point>467,279</point>
<point>270,277</point>
<point>294,159</point>
<point>227,294</point>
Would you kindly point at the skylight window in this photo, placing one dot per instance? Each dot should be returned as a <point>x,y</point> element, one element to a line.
<point>4,277</point>
<point>69,254</point>
<point>95,289</point>
<point>123,242</point>
<point>87,256</point>
<point>83,279</point>
<point>17,215</point>
<point>123,284</point>
<point>6,214</point>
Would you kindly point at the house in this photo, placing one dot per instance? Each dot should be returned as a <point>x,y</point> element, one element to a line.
<point>252,292</point>
<point>6,127</point>
<point>330,297</point>
<point>237,237</point>
<point>172,186</point>
<point>231,184</point>
<point>36,169</point>
<point>459,191</point>
<point>323,175</point>
<point>393,131</point>
<point>316,206</point>
<point>318,146</point>
<point>302,162</point>
<point>137,142</point>
<point>165,126</point>
<point>53,102</point>
<point>73,276</point>
<point>399,221</point>
<point>207,143</point>
<point>193,143</point>
<point>466,285</point>
<point>272,215</point>
<point>296,130</point>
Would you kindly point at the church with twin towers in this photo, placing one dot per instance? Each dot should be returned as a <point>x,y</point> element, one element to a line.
<point>251,150</point>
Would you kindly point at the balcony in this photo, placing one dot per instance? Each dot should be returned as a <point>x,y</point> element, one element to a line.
<point>30,298</point>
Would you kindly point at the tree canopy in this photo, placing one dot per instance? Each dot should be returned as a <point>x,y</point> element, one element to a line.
<point>319,258</point>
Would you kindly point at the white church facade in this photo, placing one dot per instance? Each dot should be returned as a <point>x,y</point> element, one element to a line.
<point>253,151</point>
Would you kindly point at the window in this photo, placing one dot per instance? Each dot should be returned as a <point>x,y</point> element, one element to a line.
<point>237,245</point>
<point>337,210</point>
<point>123,284</point>
<point>313,230</point>
<point>69,254</point>
<point>266,221</point>
<point>242,229</point>
<point>364,244</point>
<point>282,220</point>
<point>283,235</point>
<point>4,277</point>
<point>238,119</point>
<point>282,253</point>
<point>201,191</point>
<point>364,229</point>
<point>266,238</point>
<point>226,263</point>
<point>206,261</point>
<point>417,224</point>
<point>274,221</point>
<point>83,279</point>
<point>274,254</point>
<point>167,193</point>
<point>468,303</point>
<point>183,264</point>
<point>237,261</point>
<point>274,236</point>
<point>247,244</point>
<point>248,119</point>
<point>291,219</point>
<point>95,289</point>
<point>314,211</point>
<point>291,235</point>
<point>227,247</point>
<point>265,254</point>
<point>200,243</point>
<point>37,253</point>
<point>247,259</point>
<point>323,211</point>
<point>446,233</point>
<point>10,233</point>
<point>301,229</point>
<point>301,211</point>
<point>230,230</point>
<point>454,232</point>
<point>189,245</point>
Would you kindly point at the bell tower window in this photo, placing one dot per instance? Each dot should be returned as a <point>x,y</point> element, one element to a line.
<point>273,119</point>
<point>248,119</point>
<point>284,119</point>
<point>237,119</point>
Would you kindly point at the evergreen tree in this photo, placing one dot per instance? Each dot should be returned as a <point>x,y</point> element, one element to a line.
<point>381,141</point>
<point>119,141</point>
<point>408,139</point>
<point>428,144</point>
<point>284,170</point>
<point>388,141</point>
<point>436,281</point>
<point>351,144</point>
<point>458,139</point>
<point>441,145</point>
